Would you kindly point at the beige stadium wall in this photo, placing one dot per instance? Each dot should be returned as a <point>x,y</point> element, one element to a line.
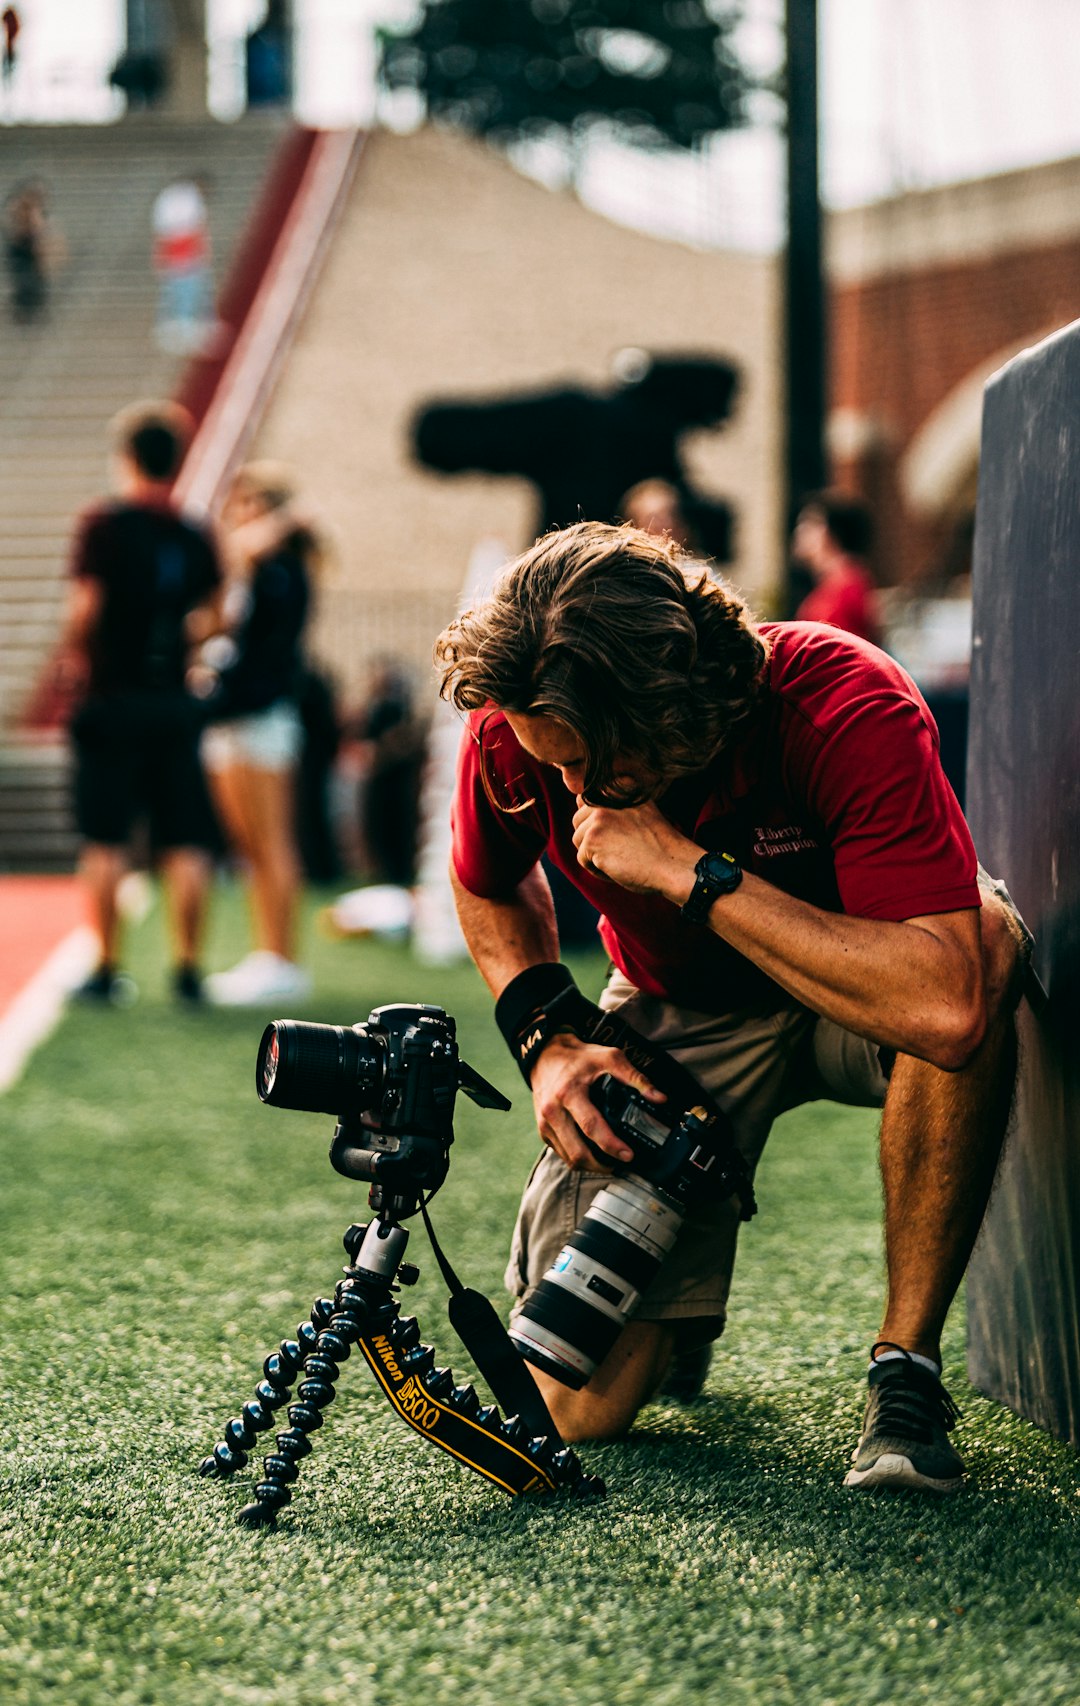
<point>450,273</point>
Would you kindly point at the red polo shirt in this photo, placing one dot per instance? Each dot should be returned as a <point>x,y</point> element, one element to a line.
<point>835,794</point>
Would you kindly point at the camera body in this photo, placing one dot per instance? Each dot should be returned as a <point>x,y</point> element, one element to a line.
<point>673,1148</point>
<point>392,1082</point>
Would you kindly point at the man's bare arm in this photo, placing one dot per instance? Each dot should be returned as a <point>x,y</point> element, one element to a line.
<point>916,986</point>
<point>505,937</point>
<point>84,601</point>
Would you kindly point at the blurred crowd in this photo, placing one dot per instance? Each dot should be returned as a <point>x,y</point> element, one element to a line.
<point>180,258</point>
<point>201,733</point>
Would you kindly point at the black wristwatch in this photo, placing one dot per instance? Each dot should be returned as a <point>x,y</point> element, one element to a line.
<point>716,874</point>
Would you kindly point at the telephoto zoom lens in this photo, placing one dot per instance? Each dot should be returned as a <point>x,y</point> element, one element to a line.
<point>594,1285</point>
<point>321,1069</point>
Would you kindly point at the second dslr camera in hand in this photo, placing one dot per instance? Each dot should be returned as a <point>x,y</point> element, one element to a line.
<point>684,1155</point>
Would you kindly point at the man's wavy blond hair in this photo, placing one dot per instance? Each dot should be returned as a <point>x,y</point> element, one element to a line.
<point>622,637</point>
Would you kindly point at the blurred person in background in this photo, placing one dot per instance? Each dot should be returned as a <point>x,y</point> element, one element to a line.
<point>32,249</point>
<point>181,231</point>
<point>832,539</point>
<point>253,744</point>
<point>656,507</point>
<point>390,742</point>
<point>317,836</point>
<point>10,26</point>
<point>141,575</point>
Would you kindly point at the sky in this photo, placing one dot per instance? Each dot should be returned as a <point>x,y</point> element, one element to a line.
<point>913,92</point>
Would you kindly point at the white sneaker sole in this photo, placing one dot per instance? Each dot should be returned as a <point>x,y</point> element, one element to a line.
<point>248,985</point>
<point>891,1471</point>
<point>218,997</point>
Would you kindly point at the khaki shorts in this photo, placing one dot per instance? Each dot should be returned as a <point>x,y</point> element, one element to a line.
<point>756,1065</point>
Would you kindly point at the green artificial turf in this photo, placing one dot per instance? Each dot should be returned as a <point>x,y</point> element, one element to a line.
<point>161,1230</point>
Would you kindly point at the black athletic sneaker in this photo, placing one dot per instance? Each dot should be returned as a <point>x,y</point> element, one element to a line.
<point>107,988</point>
<point>187,986</point>
<point>685,1378</point>
<point>909,1416</point>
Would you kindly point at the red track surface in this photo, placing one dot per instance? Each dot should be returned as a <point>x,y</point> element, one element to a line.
<point>36,913</point>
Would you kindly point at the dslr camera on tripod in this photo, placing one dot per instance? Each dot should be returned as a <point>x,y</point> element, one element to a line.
<point>392,1083</point>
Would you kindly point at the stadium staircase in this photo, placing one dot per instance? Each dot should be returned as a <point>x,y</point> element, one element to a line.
<point>62,379</point>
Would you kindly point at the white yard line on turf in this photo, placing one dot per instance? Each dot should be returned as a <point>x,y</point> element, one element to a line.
<point>36,1009</point>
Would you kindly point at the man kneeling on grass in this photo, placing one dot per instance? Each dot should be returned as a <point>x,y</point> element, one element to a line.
<point>630,720</point>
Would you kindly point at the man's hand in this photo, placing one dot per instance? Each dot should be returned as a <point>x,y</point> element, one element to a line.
<point>637,848</point>
<point>565,1112</point>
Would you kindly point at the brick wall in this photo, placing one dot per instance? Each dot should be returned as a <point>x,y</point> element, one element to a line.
<point>926,293</point>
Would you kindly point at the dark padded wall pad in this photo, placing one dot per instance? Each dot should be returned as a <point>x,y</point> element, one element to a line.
<point>1024,808</point>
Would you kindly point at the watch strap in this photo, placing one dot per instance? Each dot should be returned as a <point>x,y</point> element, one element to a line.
<point>715,873</point>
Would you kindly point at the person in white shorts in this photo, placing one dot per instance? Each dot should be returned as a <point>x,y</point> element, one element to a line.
<point>252,753</point>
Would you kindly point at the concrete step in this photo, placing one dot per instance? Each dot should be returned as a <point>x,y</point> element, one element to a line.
<point>112,360</point>
<point>29,554</point>
<point>24,566</point>
<point>31,613</point>
<point>25,619</point>
<point>38,857</point>
<point>23,627</point>
<point>25,530</point>
<point>30,819</point>
<point>26,418</point>
<point>47,462</point>
<point>63,501</point>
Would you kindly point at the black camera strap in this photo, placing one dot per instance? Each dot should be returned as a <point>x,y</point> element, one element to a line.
<point>476,1323</point>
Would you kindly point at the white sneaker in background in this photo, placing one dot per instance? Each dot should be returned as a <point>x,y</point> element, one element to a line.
<point>261,976</point>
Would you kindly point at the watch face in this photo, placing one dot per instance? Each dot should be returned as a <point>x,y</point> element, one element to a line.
<point>721,871</point>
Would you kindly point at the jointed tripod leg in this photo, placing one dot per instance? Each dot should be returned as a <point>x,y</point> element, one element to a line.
<point>280,1371</point>
<point>320,1346</point>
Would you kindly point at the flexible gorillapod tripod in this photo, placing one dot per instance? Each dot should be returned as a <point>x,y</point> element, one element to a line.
<point>520,1454</point>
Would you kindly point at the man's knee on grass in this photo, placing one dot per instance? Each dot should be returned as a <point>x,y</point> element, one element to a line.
<point>629,1378</point>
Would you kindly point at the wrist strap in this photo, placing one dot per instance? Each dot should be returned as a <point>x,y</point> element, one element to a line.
<point>535,1006</point>
<point>544,1000</point>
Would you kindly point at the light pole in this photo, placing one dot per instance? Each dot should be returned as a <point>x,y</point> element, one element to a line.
<point>804,289</point>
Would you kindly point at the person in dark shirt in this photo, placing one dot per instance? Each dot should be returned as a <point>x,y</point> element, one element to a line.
<point>391,740</point>
<point>252,747</point>
<point>140,573</point>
